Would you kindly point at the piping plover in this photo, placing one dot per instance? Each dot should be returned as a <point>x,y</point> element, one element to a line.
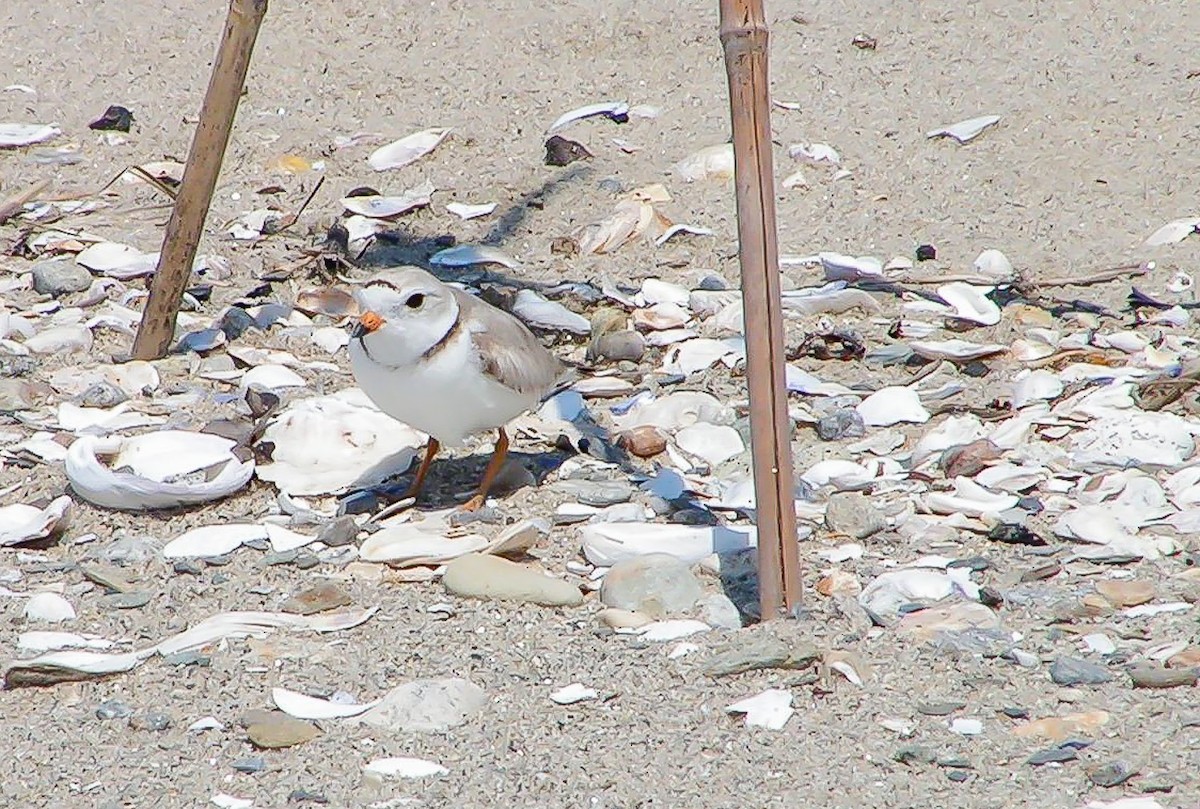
<point>445,362</point>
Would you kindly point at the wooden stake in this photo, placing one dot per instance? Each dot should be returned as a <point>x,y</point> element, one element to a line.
<point>744,36</point>
<point>199,178</point>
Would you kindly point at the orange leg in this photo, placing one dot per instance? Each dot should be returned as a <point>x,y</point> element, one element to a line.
<point>431,449</point>
<point>489,474</point>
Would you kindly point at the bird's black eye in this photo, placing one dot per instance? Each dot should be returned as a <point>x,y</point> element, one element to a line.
<point>415,300</point>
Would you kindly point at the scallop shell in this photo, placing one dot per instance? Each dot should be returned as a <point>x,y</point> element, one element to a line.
<point>165,469</point>
<point>408,149</point>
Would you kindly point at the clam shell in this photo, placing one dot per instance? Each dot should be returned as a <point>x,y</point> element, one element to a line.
<point>696,355</point>
<point>1174,231</point>
<point>382,207</point>
<point>48,608</point>
<point>713,443</point>
<point>545,314</point>
<point>166,469</point>
<point>409,544</point>
<point>994,266</point>
<point>969,498</point>
<point>272,377</point>
<point>302,706</point>
<point>466,255</point>
<point>1035,386</point>
<point>675,410</point>
<point>892,405</point>
<point>771,709</point>
<point>605,544</point>
<point>848,268</point>
<point>970,302</point>
<point>213,540</point>
<point>408,149</point>
<point>21,523</point>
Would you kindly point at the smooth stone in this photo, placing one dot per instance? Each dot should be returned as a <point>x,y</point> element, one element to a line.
<point>854,515</point>
<point>108,577</point>
<point>940,708</point>
<point>426,706</point>
<point>693,516</point>
<point>644,442</point>
<point>1151,676</point>
<point>319,598</point>
<point>341,531</point>
<point>598,493</point>
<point>1053,755</point>
<point>618,345</point>
<point>306,560</point>
<point>1112,774</point>
<point>476,575</point>
<point>113,709</point>
<point>717,610</point>
<point>191,567</point>
<point>154,721</point>
<point>280,558</point>
<point>125,601</point>
<point>250,764</point>
<point>60,277</point>
<point>958,776</point>
<point>1125,593</point>
<point>1073,671</point>
<point>657,584</point>
<point>193,657</point>
<point>847,423</point>
<point>757,651</point>
<point>281,731</point>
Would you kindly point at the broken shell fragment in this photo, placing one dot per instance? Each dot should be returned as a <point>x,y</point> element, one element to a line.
<point>12,135</point>
<point>965,131</point>
<point>381,207</point>
<point>117,260</point>
<point>892,405</point>
<point>165,469</point>
<point>408,149</point>
<point>711,163</point>
<point>302,706</point>
<point>213,540</point>
<point>617,111</point>
<point>464,211</point>
<point>466,255</point>
<point>21,523</point>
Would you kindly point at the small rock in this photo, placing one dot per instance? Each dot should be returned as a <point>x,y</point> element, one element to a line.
<point>108,577</point>
<point>250,764</point>
<point>281,557</point>
<point>914,754</point>
<point>306,796</point>
<point>281,731</point>
<point>341,531</point>
<point>940,708</point>
<point>426,706</point>
<point>322,597</point>
<point>1013,712</point>
<point>154,721</point>
<point>1112,774</point>
<point>926,252</point>
<point>235,321</point>
<point>1073,671</point>
<point>113,709</point>
<point>757,651</point>
<point>1125,593</point>
<point>192,657</point>
<point>854,515</point>
<point>481,576</point>
<point>717,610</point>
<point>563,152</point>
<point>128,551</point>
<point>306,560</point>
<point>60,277</point>
<point>125,601</point>
<point>220,560</point>
<point>1153,676</point>
<point>1053,755</point>
<point>190,567</point>
<point>845,423</point>
<point>598,493</point>
<point>958,776</point>
<point>102,394</point>
<point>694,516</point>
<point>656,584</point>
<point>968,460</point>
<point>643,442</point>
<point>618,345</point>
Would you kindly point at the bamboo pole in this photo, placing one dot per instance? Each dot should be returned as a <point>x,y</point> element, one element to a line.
<point>744,36</point>
<point>199,178</point>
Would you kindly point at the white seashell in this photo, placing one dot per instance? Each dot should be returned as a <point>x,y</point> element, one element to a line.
<point>668,337</point>
<point>696,355</point>
<point>675,230</point>
<point>969,498</point>
<point>771,709</point>
<point>605,544</point>
<point>970,302</point>
<point>1146,440</point>
<point>892,405</point>
<point>955,349</point>
<point>224,801</point>
<point>1174,231</point>
<point>327,443</point>
<point>408,149</point>
<point>795,180</point>
<point>26,134</point>
<point>954,431</point>
<point>815,153</point>
<point>660,631</point>
<point>675,410</point>
<point>117,260</point>
<point>841,475</point>
<point>848,268</point>
<point>616,110</point>
<point>466,255</point>
<point>655,290</point>
<point>213,540</point>
<point>842,553</point>
<point>60,340</point>
<point>21,523</point>
<point>965,131</point>
<point>682,650</point>
<point>43,641</point>
<point>167,469</point>
<point>272,377</point>
<point>661,317</point>
<point>464,211</point>
<point>362,227</point>
<point>284,539</point>
<point>830,299</point>
<point>889,591</point>
<point>540,313</point>
<point>302,706</point>
<point>381,207</point>
<point>206,723</point>
<point>1030,387</point>
<point>1150,610</point>
<point>629,218</point>
<point>799,381</point>
<point>330,338</point>
<point>101,420</point>
<point>1130,342</point>
<point>1180,282</point>
<point>710,163</point>
<point>1099,643</point>
<point>411,543</point>
<point>994,266</point>
<point>82,662</point>
<point>405,767</point>
<point>1008,477</point>
<point>575,692</point>
<point>713,443</point>
<point>50,608</point>
<point>246,623</point>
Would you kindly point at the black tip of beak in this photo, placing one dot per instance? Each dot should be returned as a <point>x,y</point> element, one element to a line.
<point>358,331</point>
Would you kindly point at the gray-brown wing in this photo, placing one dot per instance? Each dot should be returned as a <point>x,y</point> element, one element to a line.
<point>511,354</point>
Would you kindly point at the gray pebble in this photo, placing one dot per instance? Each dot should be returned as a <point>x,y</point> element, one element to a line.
<point>1112,774</point>
<point>191,657</point>
<point>618,345</point>
<point>102,394</point>
<point>914,754</point>
<point>190,567</point>
<point>219,578</point>
<point>128,551</point>
<point>958,776</point>
<point>202,340</point>
<point>712,283</point>
<point>281,557</point>
<point>305,796</point>
<point>125,601</point>
<point>940,708</point>
<point>1053,755</point>
<point>256,544</point>
<point>154,721</point>
<point>306,561</point>
<point>235,321</point>
<point>341,531</point>
<point>694,516</point>
<point>599,493</point>
<point>250,764</point>
<point>1073,671</point>
<point>841,424</point>
<point>113,709</point>
<point>656,584</point>
<point>218,561</point>
<point>853,514</point>
<point>60,277</point>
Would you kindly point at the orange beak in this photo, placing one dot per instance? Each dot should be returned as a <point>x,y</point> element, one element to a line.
<point>370,322</point>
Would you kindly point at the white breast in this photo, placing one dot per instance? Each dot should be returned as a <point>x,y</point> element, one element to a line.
<point>447,395</point>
